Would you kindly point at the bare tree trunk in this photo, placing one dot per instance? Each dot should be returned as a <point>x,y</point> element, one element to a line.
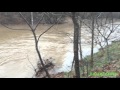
<point>76,35</point>
<point>36,46</point>
<point>87,68</point>
<point>32,19</point>
<point>80,47</point>
<point>92,44</point>
<point>108,55</point>
<point>39,55</point>
<point>80,40</point>
<point>36,41</point>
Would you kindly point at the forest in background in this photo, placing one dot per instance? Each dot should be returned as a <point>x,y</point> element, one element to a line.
<point>49,17</point>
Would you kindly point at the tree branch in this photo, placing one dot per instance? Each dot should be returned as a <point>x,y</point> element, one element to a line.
<point>12,28</point>
<point>39,21</point>
<point>48,28</point>
<point>26,20</point>
<point>31,64</point>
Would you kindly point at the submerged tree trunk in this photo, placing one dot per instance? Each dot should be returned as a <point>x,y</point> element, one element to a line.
<point>76,35</point>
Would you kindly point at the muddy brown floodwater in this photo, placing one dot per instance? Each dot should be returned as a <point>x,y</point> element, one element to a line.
<point>17,49</point>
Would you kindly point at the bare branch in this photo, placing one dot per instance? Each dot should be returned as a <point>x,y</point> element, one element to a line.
<point>45,32</point>
<point>69,37</point>
<point>100,14</point>
<point>39,21</point>
<point>12,28</point>
<point>86,24</point>
<point>25,20</point>
<point>48,29</point>
<point>31,64</point>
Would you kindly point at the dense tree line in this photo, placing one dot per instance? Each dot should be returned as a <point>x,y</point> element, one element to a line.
<point>49,17</point>
<point>15,18</point>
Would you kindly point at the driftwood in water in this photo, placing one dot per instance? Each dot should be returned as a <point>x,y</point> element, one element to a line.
<point>40,71</point>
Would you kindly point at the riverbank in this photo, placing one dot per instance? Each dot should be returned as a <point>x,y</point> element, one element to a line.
<point>101,64</point>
